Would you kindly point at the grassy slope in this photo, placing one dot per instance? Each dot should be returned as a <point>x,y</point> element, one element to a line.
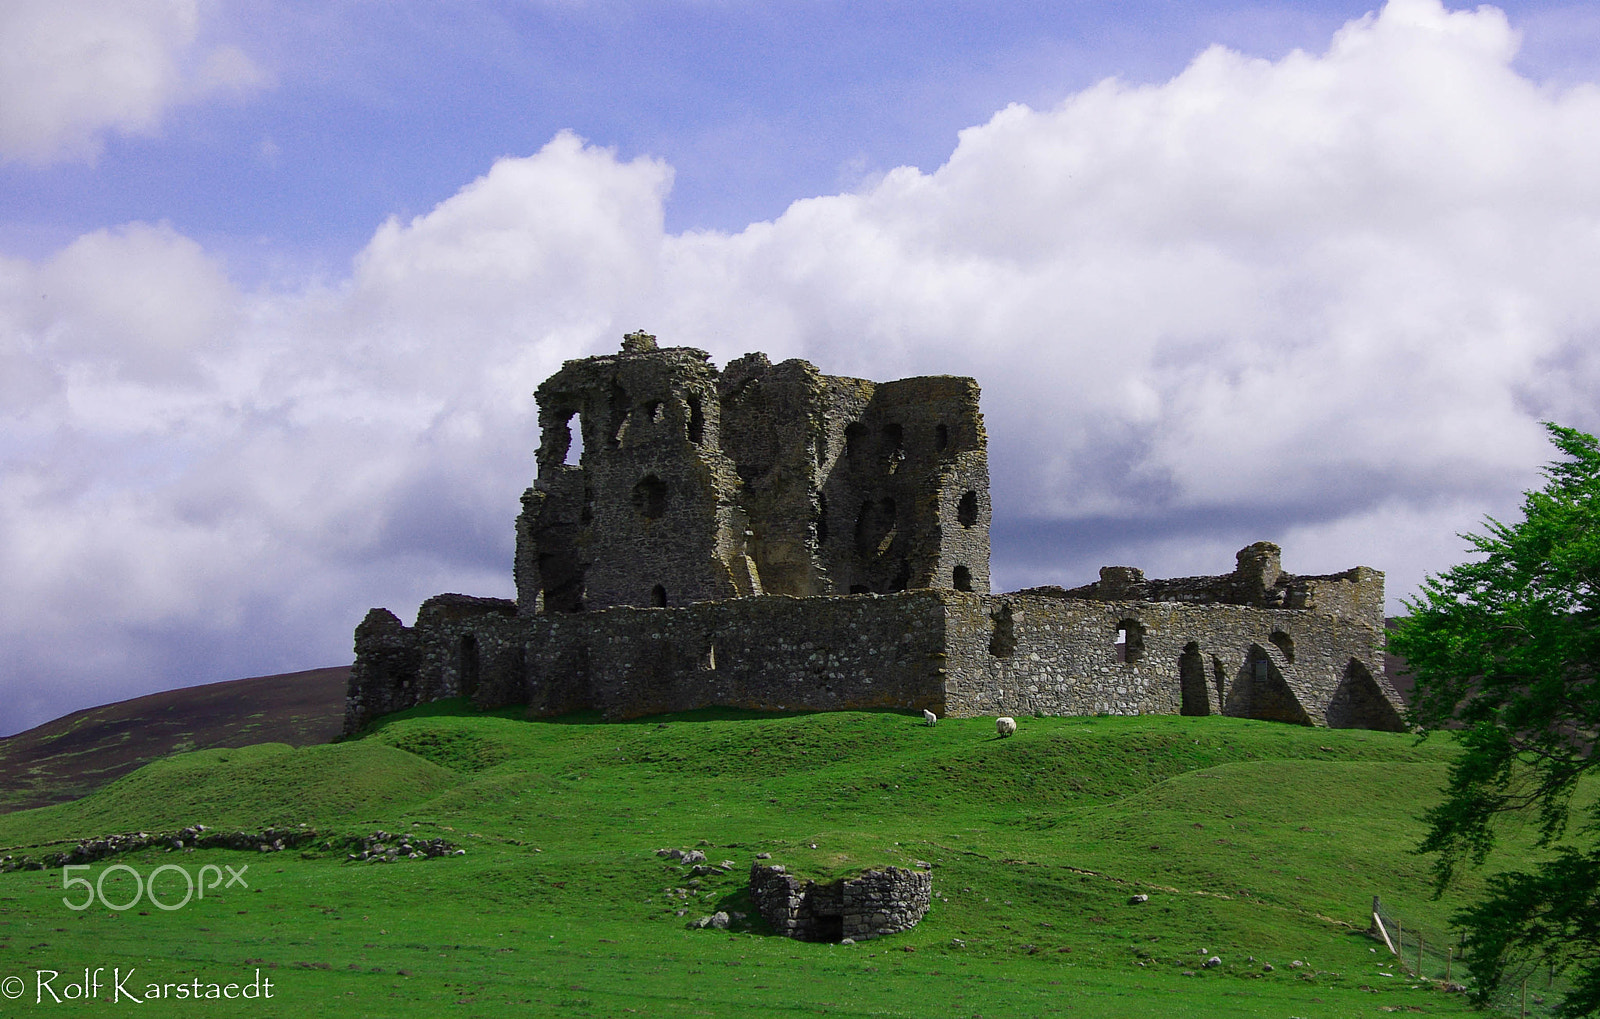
<point>1252,839</point>
<point>72,756</point>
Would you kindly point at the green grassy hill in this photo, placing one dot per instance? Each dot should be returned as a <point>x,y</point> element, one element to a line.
<point>1258,843</point>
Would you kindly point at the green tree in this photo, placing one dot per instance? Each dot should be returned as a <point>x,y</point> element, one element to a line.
<point>1505,651</point>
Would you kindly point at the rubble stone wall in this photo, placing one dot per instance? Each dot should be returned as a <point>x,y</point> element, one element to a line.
<point>1034,653</point>
<point>869,905</point>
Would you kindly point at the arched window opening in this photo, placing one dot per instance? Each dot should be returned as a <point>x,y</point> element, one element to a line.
<point>574,451</point>
<point>967,509</point>
<point>1130,641</point>
<point>941,437</point>
<point>961,578</point>
<point>894,447</point>
<point>658,596</point>
<point>697,421</point>
<point>653,411</point>
<point>619,404</point>
<point>650,497</point>
<point>1003,635</point>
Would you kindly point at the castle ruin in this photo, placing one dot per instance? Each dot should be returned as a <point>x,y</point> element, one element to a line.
<point>773,538</point>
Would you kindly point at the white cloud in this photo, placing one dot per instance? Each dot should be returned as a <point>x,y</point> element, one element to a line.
<point>1323,300</point>
<point>71,70</point>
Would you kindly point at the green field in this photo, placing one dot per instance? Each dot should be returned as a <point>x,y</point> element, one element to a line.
<point>1259,843</point>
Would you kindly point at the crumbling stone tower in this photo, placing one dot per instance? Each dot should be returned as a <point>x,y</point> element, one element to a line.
<point>694,485</point>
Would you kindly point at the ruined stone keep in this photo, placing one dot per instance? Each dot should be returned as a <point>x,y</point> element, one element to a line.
<point>774,538</point>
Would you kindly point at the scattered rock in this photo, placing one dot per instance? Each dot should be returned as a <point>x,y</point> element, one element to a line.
<point>1135,900</point>
<point>1213,962</point>
<point>381,847</point>
<point>1266,967</point>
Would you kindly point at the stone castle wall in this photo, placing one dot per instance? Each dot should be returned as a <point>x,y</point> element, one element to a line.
<point>953,653</point>
<point>1030,653</point>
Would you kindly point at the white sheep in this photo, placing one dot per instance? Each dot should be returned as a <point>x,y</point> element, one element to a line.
<point>929,718</point>
<point>1005,725</point>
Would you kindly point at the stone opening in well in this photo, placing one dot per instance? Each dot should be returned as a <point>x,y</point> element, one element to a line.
<point>658,596</point>
<point>870,905</point>
<point>941,437</point>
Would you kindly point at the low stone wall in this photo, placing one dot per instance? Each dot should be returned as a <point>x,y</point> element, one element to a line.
<point>957,654</point>
<point>870,905</point>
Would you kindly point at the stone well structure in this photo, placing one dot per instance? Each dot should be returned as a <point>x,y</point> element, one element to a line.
<point>869,905</point>
<point>771,537</point>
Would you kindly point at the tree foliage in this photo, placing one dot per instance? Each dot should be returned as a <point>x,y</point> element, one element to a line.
<point>1505,651</point>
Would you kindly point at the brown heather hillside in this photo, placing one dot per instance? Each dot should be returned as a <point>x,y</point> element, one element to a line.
<point>78,753</point>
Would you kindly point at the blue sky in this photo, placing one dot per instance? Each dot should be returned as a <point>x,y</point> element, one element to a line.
<point>277,280</point>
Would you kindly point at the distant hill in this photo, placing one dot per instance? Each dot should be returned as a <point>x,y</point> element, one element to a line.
<point>78,753</point>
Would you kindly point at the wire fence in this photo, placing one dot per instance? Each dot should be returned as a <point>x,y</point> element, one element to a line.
<point>1526,989</point>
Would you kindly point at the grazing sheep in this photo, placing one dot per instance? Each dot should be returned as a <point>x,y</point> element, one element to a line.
<point>929,718</point>
<point>1005,725</point>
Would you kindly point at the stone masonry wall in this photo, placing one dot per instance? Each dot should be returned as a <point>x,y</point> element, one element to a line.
<point>1025,653</point>
<point>949,652</point>
<point>870,905</point>
<point>768,653</point>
